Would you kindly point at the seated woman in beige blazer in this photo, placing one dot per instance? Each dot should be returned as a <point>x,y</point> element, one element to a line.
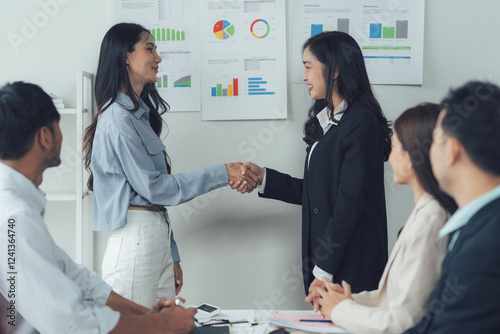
<point>415,261</point>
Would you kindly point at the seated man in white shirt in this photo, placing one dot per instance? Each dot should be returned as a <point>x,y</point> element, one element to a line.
<point>41,289</point>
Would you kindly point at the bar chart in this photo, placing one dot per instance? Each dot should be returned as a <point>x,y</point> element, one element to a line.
<point>229,90</point>
<point>256,86</point>
<point>342,25</point>
<point>398,31</point>
<point>162,81</point>
<point>168,34</point>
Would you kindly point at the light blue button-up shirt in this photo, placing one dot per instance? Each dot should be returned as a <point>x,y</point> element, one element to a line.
<point>129,168</point>
<point>462,216</point>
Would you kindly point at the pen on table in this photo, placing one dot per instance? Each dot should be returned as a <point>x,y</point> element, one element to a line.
<point>216,322</point>
<point>237,325</point>
<point>312,320</point>
<point>225,322</point>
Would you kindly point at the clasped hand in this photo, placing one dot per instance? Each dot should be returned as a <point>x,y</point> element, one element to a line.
<point>175,319</point>
<point>244,178</point>
<point>325,295</point>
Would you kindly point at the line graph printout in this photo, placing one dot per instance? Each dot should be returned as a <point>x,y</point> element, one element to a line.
<point>174,25</point>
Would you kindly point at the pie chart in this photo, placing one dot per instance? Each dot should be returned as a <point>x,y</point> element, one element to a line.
<point>223,29</point>
<point>260,28</point>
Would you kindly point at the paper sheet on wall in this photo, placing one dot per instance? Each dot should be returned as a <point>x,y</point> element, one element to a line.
<point>390,34</point>
<point>174,24</point>
<point>243,59</point>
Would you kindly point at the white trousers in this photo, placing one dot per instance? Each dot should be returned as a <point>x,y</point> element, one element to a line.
<point>138,263</point>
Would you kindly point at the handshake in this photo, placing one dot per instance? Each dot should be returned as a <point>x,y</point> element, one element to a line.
<point>244,178</point>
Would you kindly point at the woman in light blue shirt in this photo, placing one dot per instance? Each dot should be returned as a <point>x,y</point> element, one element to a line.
<point>130,170</point>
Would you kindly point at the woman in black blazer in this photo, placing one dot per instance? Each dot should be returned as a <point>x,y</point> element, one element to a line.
<point>344,225</point>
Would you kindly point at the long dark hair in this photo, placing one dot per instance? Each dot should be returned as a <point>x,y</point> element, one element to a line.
<point>111,76</point>
<point>414,129</point>
<point>338,51</point>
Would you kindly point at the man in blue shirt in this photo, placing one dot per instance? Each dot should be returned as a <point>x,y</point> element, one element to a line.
<point>465,157</point>
<point>41,289</point>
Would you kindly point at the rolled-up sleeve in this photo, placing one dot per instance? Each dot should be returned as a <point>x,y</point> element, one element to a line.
<point>135,164</point>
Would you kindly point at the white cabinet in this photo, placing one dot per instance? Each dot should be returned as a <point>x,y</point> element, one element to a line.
<point>69,208</point>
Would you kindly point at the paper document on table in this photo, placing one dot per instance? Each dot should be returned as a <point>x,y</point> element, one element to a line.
<point>261,329</point>
<point>290,320</point>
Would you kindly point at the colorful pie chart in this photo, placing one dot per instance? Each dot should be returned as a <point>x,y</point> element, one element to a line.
<point>223,29</point>
<point>260,28</point>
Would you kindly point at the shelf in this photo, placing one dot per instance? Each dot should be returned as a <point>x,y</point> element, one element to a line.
<point>67,111</point>
<point>60,196</point>
<point>77,197</point>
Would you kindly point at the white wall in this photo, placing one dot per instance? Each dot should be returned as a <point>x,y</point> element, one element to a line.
<point>241,251</point>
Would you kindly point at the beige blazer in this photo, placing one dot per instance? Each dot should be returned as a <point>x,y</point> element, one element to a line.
<point>409,277</point>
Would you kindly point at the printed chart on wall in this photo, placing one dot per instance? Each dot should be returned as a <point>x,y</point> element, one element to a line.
<point>174,25</point>
<point>243,59</point>
<point>390,34</point>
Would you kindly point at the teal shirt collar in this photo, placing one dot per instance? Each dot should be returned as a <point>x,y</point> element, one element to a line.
<point>462,216</point>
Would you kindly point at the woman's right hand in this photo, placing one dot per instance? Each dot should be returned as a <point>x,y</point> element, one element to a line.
<point>239,179</point>
<point>256,173</point>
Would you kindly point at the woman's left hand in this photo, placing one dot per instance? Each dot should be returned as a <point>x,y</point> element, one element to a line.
<point>330,297</point>
<point>178,277</point>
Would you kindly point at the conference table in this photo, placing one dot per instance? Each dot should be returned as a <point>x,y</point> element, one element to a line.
<point>264,322</point>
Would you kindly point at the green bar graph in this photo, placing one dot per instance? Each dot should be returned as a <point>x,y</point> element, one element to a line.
<point>219,89</point>
<point>388,32</point>
<point>168,34</point>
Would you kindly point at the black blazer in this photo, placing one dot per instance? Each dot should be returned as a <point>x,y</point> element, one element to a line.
<point>344,225</point>
<point>467,295</point>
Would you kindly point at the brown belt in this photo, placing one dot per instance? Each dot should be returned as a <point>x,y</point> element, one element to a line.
<point>147,208</point>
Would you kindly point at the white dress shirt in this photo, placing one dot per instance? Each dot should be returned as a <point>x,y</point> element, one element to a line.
<point>52,294</point>
<point>326,123</point>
